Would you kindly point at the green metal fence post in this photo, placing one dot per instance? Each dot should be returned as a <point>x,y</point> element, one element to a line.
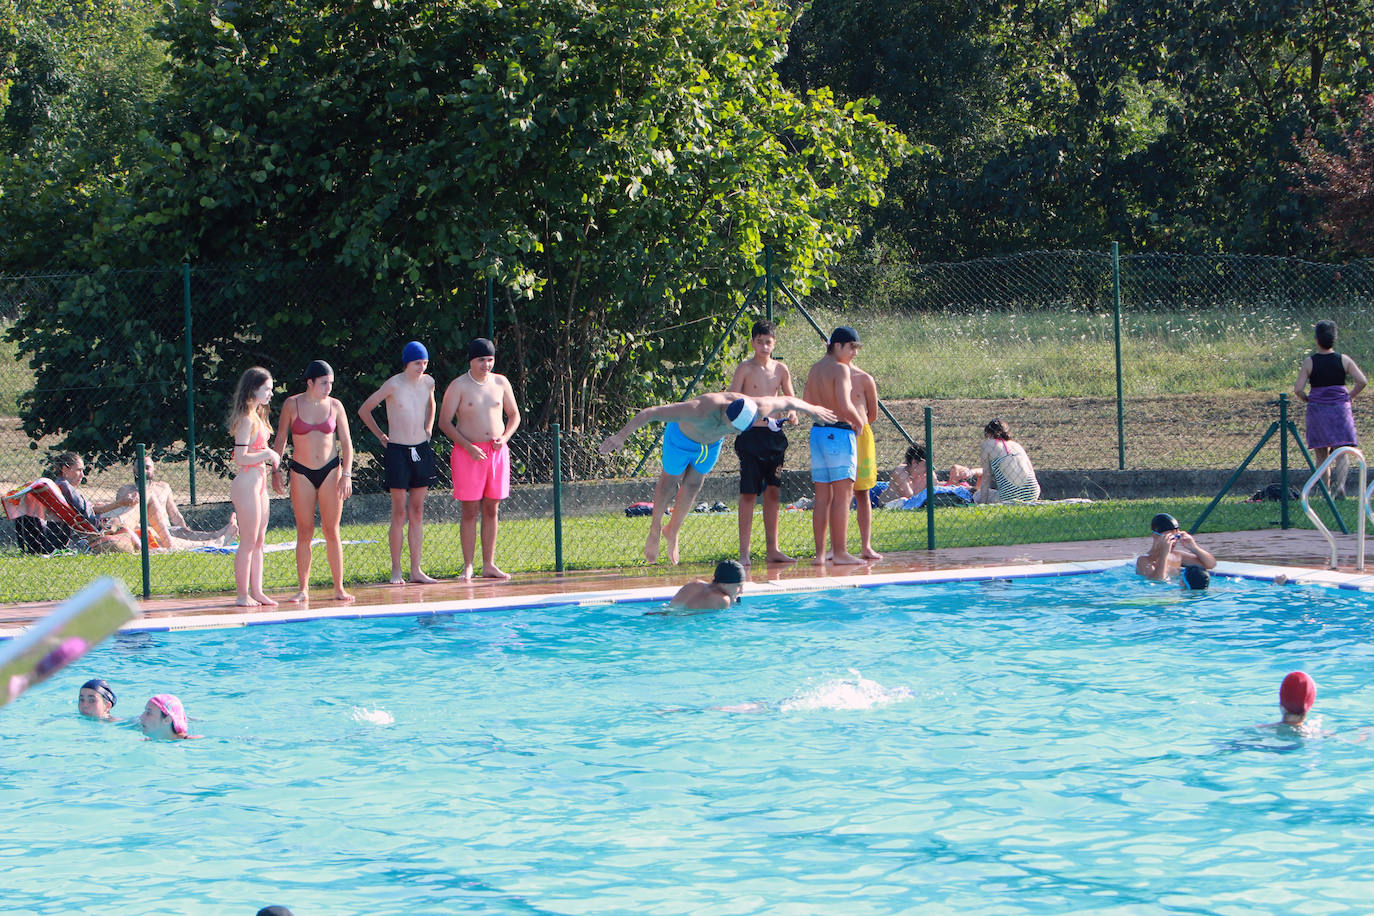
<point>557,499</point>
<point>491,309</point>
<point>1120,390</point>
<point>190,382</point>
<point>768,274</point>
<point>930,486</point>
<point>1284,521</point>
<point>143,521</point>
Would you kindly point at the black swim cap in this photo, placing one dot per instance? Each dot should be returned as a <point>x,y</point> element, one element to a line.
<point>1196,578</point>
<point>318,368</point>
<point>102,688</point>
<point>1163,522</point>
<point>481,347</point>
<point>844,334</point>
<point>729,572</point>
<point>274,911</point>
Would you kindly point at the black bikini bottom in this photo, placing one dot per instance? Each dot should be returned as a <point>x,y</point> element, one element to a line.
<point>316,476</point>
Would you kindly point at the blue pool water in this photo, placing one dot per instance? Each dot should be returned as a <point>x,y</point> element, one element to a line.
<point>1083,743</point>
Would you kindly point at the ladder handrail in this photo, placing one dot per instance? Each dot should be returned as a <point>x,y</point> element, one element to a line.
<point>1365,491</point>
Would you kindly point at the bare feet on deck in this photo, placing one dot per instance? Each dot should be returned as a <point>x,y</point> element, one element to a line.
<point>467,574</point>
<point>494,572</point>
<point>777,556</point>
<point>245,602</point>
<point>343,596</point>
<point>263,599</point>
<point>417,577</point>
<point>868,553</point>
<point>397,578</point>
<point>301,597</point>
<point>846,559</point>
<point>818,560</point>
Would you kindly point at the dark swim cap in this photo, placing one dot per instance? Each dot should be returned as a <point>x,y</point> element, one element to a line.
<point>844,334</point>
<point>274,911</point>
<point>729,572</point>
<point>481,347</point>
<point>1163,522</point>
<point>1196,578</point>
<point>102,688</point>
<point>318,368</point>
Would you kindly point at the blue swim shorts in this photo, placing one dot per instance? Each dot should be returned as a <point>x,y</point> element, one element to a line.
<point>681,453</point>
<point>834,454</point>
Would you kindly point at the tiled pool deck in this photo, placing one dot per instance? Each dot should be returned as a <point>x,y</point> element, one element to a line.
<point>1298,552</point>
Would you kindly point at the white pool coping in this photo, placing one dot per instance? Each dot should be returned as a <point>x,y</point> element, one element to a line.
<point>1286,575</point>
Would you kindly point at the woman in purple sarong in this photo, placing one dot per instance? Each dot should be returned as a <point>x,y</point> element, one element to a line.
<point>1330,424</point>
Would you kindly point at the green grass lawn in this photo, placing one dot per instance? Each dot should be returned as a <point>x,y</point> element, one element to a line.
<point>612,541</point>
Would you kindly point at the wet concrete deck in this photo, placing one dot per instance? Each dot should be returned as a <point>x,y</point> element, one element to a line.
<point>1297,548</point>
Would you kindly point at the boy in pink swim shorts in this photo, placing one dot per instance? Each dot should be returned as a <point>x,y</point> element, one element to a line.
<point>479,415</point>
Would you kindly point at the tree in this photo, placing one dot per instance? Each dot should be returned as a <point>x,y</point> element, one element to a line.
<point>77,84</point>
<point>616,170</point>
<point>1343,182</point>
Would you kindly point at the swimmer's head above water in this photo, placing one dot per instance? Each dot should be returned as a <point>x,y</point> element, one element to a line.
<point>1163,523</point>
<point>96,699</point>
<point>164,717</point>
<point>1195,578</point>
<point>1297,694</point>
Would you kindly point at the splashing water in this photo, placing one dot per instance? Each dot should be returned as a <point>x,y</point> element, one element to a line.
<point>373,716</point>
<point>843,693</point>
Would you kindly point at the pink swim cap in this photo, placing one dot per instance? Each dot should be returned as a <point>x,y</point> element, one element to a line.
<point>171,706</point>
<point>1297,693</point>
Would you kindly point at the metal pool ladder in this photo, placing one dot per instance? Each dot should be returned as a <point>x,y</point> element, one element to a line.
<point>1366,490</point>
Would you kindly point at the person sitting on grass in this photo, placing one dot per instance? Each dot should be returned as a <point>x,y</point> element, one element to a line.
<point>167,527</point>
<point>115,537</point>
<point>1007,475</point>
<point>909,480</point>
<point>721,592</point>
<point>1171,548</point>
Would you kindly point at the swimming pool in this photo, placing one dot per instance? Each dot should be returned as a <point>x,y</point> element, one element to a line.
<point>1043,745</point>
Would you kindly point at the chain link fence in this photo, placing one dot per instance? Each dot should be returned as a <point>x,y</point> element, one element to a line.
<point>1207,344</point>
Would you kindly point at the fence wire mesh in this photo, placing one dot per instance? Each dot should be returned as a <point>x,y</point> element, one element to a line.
<point>1207,346</point>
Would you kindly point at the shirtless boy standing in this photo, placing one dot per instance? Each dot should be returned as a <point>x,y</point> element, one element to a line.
<point>866,403</point>
<point>471,416</point>
<point>408,463</point>
<point>834,450</point>
<point>691,445</point>
<point>761,447</point>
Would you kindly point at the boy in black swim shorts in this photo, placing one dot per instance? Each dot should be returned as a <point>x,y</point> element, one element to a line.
<point>408,462</point>
<point>762,447</point>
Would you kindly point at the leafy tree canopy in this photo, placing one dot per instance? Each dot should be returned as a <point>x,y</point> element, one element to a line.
<point>615,170</point>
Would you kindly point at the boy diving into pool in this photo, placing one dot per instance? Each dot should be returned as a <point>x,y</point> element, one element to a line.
<point>692,436</point>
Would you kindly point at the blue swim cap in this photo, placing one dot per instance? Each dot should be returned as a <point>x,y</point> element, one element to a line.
<point>413,351</point>
<point>1195,578</point>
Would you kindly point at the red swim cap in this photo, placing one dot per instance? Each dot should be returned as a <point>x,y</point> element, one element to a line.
<point>1297,693</point>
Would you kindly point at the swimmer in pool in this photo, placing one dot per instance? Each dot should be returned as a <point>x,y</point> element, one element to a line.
<point>721,592</point>
<point>95,700</point>
<point>1171,548</point>
<point>1194,578</point>
<point>1297,694</point>
<point>164,718</point>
